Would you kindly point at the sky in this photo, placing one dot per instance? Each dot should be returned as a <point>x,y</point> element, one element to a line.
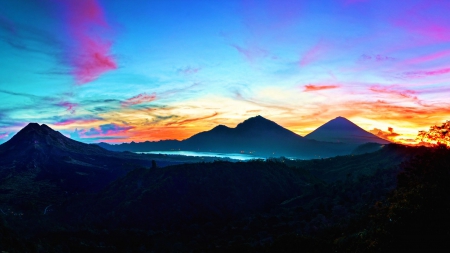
<point>122,71</point>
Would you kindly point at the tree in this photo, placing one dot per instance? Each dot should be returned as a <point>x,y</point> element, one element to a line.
<point>154,166</point>
<point>436,135</point>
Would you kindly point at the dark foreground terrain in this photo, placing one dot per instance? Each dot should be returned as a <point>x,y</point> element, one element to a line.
<point>394,199</point>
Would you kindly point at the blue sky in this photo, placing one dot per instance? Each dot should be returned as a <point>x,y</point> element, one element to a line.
<point>123,71</point>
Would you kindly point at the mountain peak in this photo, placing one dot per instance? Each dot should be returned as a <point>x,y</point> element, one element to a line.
<point>341,129</point>
<point>43,137</point>
<point>257,122</point>
<point>32,125</point>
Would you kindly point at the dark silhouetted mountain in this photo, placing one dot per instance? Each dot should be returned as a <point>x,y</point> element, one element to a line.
<point>256,135</point>
<point>40,166</point>
<point>343,130</point>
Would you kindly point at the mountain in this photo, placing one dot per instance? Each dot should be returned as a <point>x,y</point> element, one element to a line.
<point>256,135</point>
<point>343,130</point>
<point>40,166</point>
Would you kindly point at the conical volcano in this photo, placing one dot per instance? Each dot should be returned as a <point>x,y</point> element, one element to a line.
<point>42,138</point>
<point>41,164</point>
<point>343,130</point>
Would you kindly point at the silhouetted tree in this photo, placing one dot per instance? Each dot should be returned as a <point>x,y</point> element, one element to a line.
<point>154,166</point>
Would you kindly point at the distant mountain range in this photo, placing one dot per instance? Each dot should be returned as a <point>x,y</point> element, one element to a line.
<point>262,137</point>
<point>39,163</point>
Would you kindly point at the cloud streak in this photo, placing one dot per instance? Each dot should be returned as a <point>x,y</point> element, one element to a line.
<point>421,73</point>
<point>394,92</point>
<point>139,99</point>
<point>251,54</point>
<point>192,120</point>
<point>189,70</point>
<point>312,87</point>
<point>90,55</point>
<point>314,53</point>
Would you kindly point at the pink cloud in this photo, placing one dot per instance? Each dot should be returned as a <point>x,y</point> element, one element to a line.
<point>394,91</point>
<point>91,55</point>
<point>312,87</point>
<point>3,135</point>
<point>420,73</point>
<point>427,58</point>
<point>139,99</point>
<point>314,53</point>
<point>70,107</point>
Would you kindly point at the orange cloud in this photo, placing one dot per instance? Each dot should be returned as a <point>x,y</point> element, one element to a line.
<point>387,135</point>
<point>312,87</point>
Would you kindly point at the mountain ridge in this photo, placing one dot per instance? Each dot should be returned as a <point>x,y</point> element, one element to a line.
<point>256,135</point>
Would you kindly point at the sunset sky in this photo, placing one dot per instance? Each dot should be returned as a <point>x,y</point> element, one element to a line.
<point>121,71</point>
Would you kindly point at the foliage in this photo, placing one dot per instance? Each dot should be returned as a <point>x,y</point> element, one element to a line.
<point>414,216</point>
<point>259,206</point>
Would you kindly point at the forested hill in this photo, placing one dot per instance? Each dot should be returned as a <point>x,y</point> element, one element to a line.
<point>258,206</point>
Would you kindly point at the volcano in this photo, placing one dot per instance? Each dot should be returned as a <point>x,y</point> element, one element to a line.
<point>39,166</point>
<point>342,130</point>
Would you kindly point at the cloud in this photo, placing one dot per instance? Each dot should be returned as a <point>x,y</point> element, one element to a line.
<point>385,111</point>
<point>110,131</point>
<point>90,55</point>
<point>189,70</point>
<point>157,119</point>
<point>427,58</point>
<point>394,91</point>
<point>420,74</point>
<point>377,58</point>
<point>192,120</point>
<point>70,107</point>
<point>312,87</point>
<point>314,53</point>
<point>29,39</point>
<point>106,130</point>
<point>139,99</point>
<point>76,121</point>
<point>251,54</point>
<point>3,135</point>
<point>387,135</point>
<point>262,104</point>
